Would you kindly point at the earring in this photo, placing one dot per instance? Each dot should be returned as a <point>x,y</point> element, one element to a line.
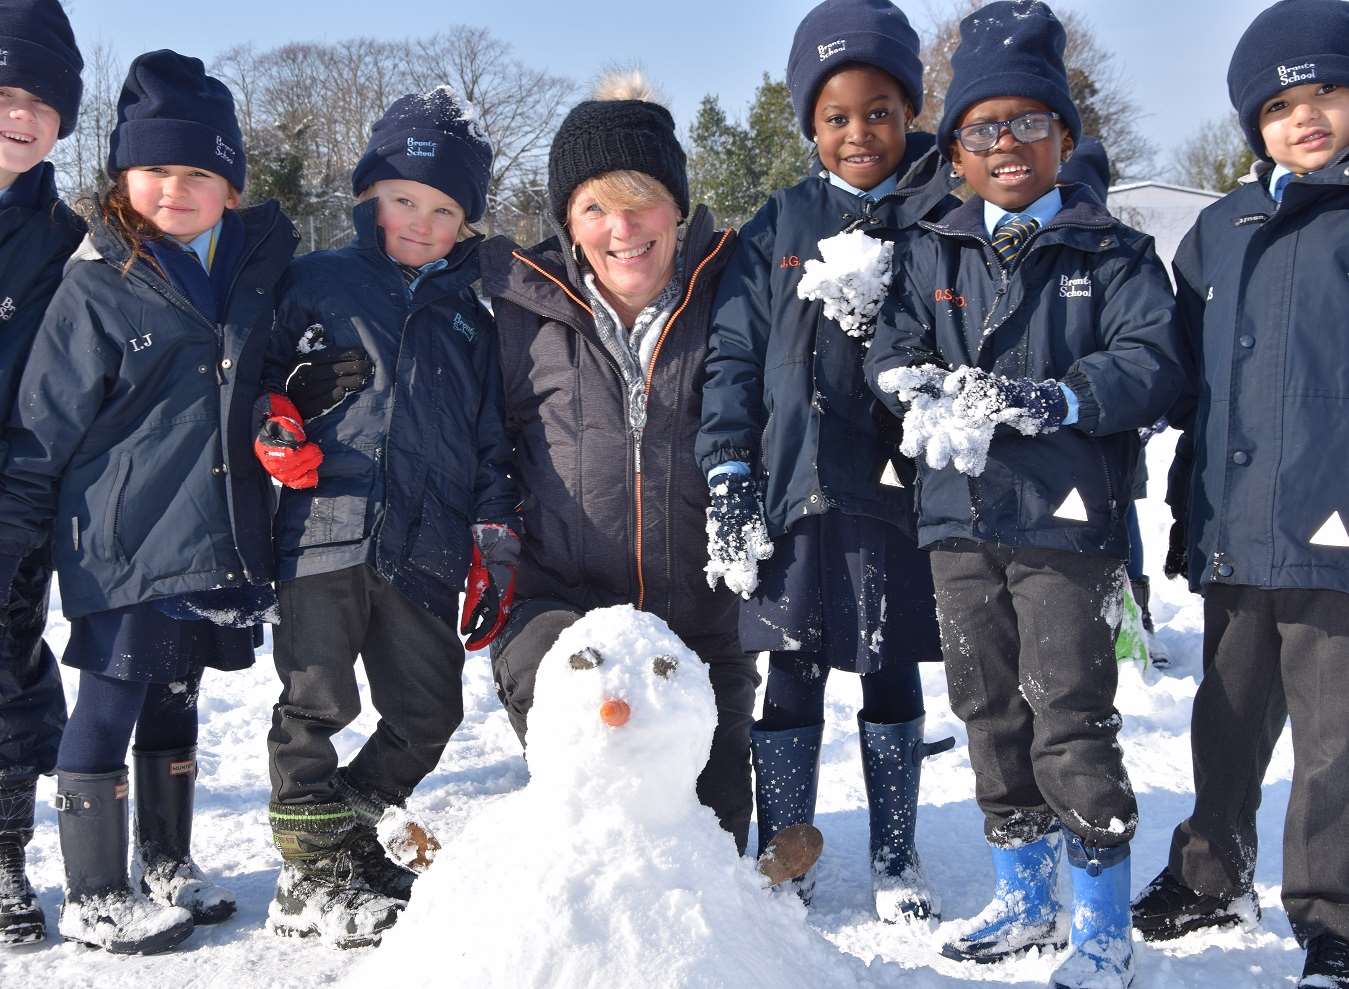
<point>576,253</point>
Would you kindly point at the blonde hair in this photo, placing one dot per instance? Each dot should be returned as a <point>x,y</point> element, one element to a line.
<point>623,190</point>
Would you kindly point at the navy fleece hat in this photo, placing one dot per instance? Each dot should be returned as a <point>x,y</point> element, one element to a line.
<point>1089,165</point>
<point>38,53</point>
<point>1009,48</point>
<point>433,138</point>
<point>838,33</point>
<point>172,113</point>
<point>1293,43</point>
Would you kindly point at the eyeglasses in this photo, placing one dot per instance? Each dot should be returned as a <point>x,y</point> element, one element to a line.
<point>1027,129</point>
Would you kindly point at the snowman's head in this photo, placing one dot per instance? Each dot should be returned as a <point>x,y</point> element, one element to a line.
<point>623,713</point>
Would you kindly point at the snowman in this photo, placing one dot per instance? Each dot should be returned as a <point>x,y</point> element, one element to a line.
<point>605,870</point>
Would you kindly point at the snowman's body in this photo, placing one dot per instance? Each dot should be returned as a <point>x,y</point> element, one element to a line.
<point>605,870</point>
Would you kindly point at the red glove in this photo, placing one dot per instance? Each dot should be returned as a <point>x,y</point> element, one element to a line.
<point>281,446</point>
<point>490,591</point>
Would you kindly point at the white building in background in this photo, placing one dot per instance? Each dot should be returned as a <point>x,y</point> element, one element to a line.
<point>1166,212</point>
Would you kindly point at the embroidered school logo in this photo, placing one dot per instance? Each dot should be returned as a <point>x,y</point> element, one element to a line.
<point>8,309</point>
<point>1075,288</point>
<point>140,343</point>
<point>4,56</point>
<point>421,149</point>
<point>1210,294</point>
<point>1291,75</point>
<point>223,151</point>
<point>833,48</point>
<point>465,327</point>
<point>1249,218</point>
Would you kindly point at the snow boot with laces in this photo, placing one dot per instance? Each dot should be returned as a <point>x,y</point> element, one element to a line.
<point>21,917</point>
<point>892,760</point>
<point>369,857</point>
<point>321,892</point>
<point>1101,953</point>
<point>786,775</point>
<point>162,866</point>
<point>1168,909</point>
<point>101,909</point>
<point>1327,965</point>
<point>1024,913</point>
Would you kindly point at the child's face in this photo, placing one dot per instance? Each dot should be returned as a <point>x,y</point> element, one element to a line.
<point>1306,127</point>
<point>28,129</point>
<point>183,201</point>
<point>421,224</point>
<point>860,118</point>
<point>1011,175</point>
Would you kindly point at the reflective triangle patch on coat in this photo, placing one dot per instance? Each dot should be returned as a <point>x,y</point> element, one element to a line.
<point>890,476</point>
<point>1332,533</point>
<point>1073,508</point>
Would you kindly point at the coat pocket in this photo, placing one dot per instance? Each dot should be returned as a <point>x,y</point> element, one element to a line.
<point>339,509</point>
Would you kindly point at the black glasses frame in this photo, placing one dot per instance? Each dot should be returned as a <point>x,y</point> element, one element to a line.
<point>1020,128</point>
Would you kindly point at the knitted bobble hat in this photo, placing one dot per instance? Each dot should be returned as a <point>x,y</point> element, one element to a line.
<point>1009,48</point>
<point>433,138</point>
<point>612,135</point>
<point>38,53</point>
<point>172,113</point>
<point>839,33</point>
<point>1292,43</point>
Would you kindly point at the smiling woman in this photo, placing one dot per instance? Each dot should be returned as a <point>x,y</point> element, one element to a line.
<point>603,333</point>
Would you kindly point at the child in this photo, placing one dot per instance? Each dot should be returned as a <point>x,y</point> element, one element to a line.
<point>787,417</point>
<point>1035,282</point>
<point>131,444</point>
<point>39,102</point>
<point>413,486</point>
<point>1258,495</point>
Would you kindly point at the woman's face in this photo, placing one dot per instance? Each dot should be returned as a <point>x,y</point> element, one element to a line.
<point>631,251</point>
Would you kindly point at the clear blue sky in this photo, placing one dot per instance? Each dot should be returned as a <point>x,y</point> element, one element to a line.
<point>1174,51</point>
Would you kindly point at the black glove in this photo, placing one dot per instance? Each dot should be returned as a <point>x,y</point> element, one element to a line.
<point>1177,551</point>
<point>1041,405</point>
<point>737,537</point>
<point>323,379</point>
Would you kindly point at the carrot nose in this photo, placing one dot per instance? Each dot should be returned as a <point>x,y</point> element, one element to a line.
<point>615,713</point>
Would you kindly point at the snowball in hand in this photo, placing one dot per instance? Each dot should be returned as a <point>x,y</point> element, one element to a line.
<point>605,869</point>
<point>944,427</point>
<point>851,280</point>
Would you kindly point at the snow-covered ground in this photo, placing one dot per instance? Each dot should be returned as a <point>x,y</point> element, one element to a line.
<point>483,763</point>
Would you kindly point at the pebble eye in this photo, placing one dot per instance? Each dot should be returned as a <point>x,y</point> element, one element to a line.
<point>663,666</point>
<point>587,659</point>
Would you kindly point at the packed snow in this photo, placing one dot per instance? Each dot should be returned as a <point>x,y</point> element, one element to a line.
<point>482,769</point>
<point>851,277</point>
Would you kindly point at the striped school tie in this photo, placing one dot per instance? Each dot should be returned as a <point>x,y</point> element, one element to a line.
<point>1011,237</point>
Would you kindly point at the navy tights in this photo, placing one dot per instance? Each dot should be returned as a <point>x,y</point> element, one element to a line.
<point>164,716</point>
<point>794,697</point>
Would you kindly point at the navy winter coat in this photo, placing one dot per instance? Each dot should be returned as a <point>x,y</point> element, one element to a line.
<point>785,391</point>
<point>131,439</point>
<point>419,455</point>
<point>1089,304</point>
<point>1260,467</point>
<point>35,244</point>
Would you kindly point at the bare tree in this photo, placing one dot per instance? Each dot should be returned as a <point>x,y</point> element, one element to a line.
<point>1098,86</point>
<point>1215,158</point>
<point>80,158</point>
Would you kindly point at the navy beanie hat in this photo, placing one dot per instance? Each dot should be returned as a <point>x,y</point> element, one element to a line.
<point>1009,48</point>
<point>433,138</point>
<point>38,53</point>
<point>838,33</point>
<point>1293,43</point>
<point>1090,166</point>
<point>172,113</point>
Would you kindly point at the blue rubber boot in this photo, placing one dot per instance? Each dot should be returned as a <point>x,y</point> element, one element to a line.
<point>892,761</point>
<point>1024,912</point>
<point>786,773</point>
<point>1102,955</point>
